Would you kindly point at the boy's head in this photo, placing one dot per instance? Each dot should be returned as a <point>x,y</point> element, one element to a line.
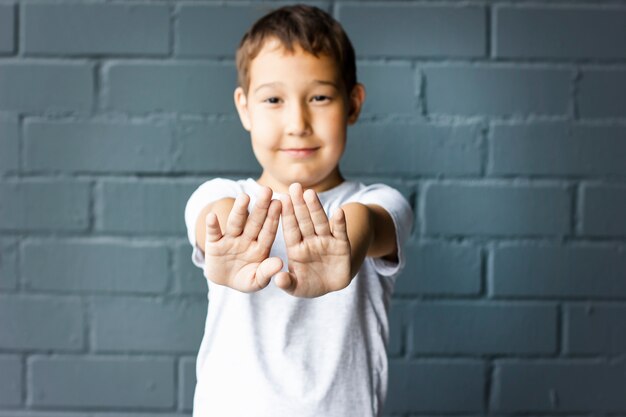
<point>314,30</point>
<point>297,95</point>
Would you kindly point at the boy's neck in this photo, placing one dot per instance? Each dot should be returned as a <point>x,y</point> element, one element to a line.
<point>328,183</point>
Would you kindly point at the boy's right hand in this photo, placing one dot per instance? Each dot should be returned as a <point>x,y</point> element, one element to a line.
<point>239,257</point>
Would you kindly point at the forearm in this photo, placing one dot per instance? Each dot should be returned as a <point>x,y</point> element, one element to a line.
<point>360,228</point>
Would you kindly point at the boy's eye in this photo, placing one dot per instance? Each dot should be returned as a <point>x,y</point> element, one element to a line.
<point>272,100</point>
<point>320,98</point>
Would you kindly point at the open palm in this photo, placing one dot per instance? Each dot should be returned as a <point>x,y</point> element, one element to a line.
<point>238,258</point>
<point>318,257</point>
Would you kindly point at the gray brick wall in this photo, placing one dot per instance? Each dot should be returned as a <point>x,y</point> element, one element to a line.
<point>502,122</point>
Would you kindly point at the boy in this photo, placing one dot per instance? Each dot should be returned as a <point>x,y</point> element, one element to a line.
<point>297,320</point>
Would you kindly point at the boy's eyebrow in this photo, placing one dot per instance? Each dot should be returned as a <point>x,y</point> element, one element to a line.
<point>316,82</point>
<point>267,85</point>
<point>324,82</point>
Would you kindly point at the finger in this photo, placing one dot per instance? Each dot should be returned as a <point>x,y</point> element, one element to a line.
<point>318,215</point>
<point>259,212</point>
<point>291,230</point>
<point>213,231</point>
<point>238,215</point>
<point>301,209</point>
<point>270,226</point>
<point>266,270</point>
<point>284,281</point>
<point>340,230</point>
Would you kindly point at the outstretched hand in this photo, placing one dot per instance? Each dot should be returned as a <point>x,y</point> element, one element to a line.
<point>318,251</point>
<point>239,257</point>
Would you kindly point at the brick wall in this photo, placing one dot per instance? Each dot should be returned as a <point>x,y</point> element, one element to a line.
<point>503,123</point>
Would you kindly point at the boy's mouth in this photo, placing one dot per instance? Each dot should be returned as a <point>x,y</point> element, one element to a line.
<point>299,152</point>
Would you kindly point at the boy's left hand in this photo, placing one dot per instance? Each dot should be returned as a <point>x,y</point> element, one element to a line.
<point>318,251</point>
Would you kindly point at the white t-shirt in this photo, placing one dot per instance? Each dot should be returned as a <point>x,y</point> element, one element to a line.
<point>270,354</point>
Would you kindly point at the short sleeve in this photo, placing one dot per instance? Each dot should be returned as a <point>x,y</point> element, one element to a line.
<point>402,215</point>
<point>206,193</point>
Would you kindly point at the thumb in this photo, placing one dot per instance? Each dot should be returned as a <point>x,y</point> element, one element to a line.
<point>340,230</point>
<point>285,282</point>
<point>266,270</point>
<point>213,231</point>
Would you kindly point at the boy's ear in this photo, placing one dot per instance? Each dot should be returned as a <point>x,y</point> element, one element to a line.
<point>241,102</point>
<point>357,97</point>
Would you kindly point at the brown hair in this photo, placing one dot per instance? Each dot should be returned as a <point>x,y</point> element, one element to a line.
<point>311,28</point>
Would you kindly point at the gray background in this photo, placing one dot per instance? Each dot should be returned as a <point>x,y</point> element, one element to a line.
<point>503,123</point>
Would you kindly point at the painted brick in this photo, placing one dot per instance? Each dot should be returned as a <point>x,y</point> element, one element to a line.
<point>9,145</point>
<point>29,86</point>
<point>94,29</point>
<point>116,162</point>
<point>166,87</point>
<point>186,382</point>
<point>44,205</point>
<point>600,93</point>
<point>441,386</point>
<point>10,380</point>
<point>188,278</point>
<point>397,328</point>
<point>486,209</point>
<point>389,89</point>
<point>31,413</point>
<point>558,386</point>
<point>100,147</point>
<point>94,266</point>
<point>146,206</point>
<point>553,271</point>
<point>7,28</point>
<point>595,329</point>
<point>146,325</point>
<point>483,328</point>
<point>410,149</point>
<point>488,90</point>
<point>102,382</point>
<point>440,269</point>
<point>558,149</point>
<point>8,264</point>
<point>214,147</point>
<point>603,208</point>
<point>415,30</point>
<point>28,322</point>
<point>562,40</point>
<point>214,30</point>
<point>131,414</point>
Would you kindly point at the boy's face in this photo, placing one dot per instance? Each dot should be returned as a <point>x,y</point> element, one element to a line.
<point>295,102</point>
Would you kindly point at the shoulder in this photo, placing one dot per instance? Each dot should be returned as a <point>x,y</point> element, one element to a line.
<point>215,189</point>
<point>209,191</point>
<point>378,193</point>
<point>386,203</point>
<point>219,184</point>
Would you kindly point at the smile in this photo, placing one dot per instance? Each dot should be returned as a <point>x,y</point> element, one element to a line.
<point>299,152</point>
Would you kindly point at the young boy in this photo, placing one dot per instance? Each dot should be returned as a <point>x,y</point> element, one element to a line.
<point>297,320</point>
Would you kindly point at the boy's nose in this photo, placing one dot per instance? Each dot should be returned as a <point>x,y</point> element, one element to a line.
<point>298,121</point>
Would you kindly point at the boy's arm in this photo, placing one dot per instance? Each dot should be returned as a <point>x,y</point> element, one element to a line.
<point>384,245</point>
<point>371,232</point>
<point>222,209</point>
